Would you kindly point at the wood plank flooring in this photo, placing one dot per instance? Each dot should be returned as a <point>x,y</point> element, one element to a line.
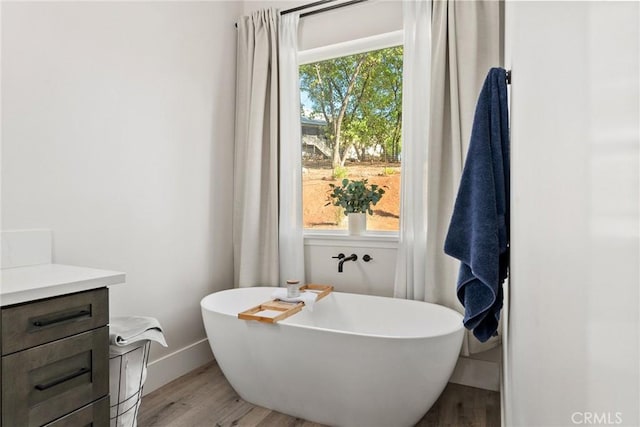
<point>204,398</point>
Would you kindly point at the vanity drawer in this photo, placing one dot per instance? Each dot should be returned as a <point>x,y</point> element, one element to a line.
<point>31,324</point>
<point>94,415</point>
<point>46,382</point>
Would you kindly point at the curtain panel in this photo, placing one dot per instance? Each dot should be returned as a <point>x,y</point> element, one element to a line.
<point>267,231</point>
<point>462,45</point>
<point>255,207</point>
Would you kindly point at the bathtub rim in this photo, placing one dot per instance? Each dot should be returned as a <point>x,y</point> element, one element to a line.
<point>458,329</point>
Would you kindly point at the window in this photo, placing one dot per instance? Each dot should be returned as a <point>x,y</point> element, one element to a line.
<point>351,122</point>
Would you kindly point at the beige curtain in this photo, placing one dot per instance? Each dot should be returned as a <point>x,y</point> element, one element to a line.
<point>255,207</point>
<point>465,45</point>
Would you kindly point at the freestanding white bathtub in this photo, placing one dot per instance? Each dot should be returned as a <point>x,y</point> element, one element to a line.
<point>355,361</point>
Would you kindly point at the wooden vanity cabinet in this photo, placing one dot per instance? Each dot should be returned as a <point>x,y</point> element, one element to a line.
<point>55,361</point>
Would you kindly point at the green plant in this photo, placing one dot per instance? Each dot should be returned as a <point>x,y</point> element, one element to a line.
<point>355,196</point>
<point>339,172</point>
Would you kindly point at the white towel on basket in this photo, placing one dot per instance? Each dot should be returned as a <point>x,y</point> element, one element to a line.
<point>125,330</point>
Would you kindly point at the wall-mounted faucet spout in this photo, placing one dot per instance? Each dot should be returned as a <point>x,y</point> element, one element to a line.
<point>352,257</point>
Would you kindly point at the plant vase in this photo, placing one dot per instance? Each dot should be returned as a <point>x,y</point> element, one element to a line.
<point>357,223</point>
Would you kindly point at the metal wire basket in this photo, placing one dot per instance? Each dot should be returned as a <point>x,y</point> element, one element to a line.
<point>128,372</point>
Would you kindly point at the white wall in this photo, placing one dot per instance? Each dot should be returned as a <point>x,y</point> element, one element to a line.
<point>117,134</point>
<point>573,331</point>
<point>372,278</point>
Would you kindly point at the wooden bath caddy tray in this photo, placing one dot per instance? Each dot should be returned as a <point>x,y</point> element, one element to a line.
<point>286,308</point>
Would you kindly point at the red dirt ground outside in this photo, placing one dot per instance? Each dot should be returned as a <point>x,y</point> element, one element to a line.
<point>316,178</point>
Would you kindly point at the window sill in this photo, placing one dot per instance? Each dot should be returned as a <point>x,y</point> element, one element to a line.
<point>371,239</point>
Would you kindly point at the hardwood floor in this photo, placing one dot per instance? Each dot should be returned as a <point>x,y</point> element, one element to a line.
<point>204,398</point>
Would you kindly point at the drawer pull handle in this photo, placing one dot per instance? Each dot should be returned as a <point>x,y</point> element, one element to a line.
<point>60,380</point>
<point>65,317</point>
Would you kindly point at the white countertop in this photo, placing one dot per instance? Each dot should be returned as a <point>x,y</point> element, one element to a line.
<point>22,284</point>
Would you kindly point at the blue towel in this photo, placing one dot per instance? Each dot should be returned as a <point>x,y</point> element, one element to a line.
<point>478,234</point>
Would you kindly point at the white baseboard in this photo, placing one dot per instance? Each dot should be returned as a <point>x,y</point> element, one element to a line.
<point>174,365</point>
<point>477,373</point>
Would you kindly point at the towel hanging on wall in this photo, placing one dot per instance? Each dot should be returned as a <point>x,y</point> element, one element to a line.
<point>478,233</point>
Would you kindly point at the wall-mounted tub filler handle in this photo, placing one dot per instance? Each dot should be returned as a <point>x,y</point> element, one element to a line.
<point>367,258</point>
<point>340,256</point>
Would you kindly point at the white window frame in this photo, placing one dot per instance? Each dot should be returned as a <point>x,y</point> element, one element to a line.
<point>351,47</point>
